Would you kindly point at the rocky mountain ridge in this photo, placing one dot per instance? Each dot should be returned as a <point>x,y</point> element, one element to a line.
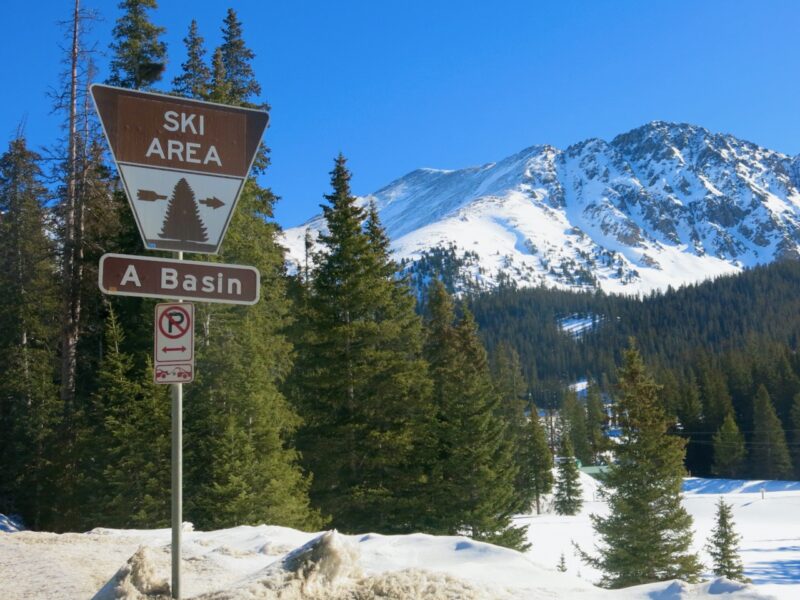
<point>662,205</point>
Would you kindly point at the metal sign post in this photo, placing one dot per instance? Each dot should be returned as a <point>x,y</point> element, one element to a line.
<point>177,478</point>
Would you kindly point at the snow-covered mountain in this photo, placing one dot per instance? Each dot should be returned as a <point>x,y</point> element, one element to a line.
<point>664,204</point>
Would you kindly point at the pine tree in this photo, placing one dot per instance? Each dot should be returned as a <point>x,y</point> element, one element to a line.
<point>794,420</point>
<point>729,450</point>
<point>30,411</point>
<point>573,420</point>
<point>360,382</point>
<point>770,456</point>
<point>219,87</point>
<point>139,56</point>
<point>595,422</point>
<point>125,448</point>
<point>182,221</point>
<point>715,397</point>
<point>241,464</point>
<point>647,535</point>
<point>562,564</point>
<point>723,545</point>
<point>195,78</point>
<point>472,483</point>
<point>139,473</point>
<point>510,385</point>
<point>568,496</point>
<point>540,459</point>
<point>236,58</point>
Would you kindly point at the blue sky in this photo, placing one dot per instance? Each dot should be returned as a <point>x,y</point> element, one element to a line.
<point>401,85</point>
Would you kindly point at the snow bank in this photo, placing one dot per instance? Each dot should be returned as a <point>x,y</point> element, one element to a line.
<point>328,568</point>
<point>138,579</point>
<point>278,563</point>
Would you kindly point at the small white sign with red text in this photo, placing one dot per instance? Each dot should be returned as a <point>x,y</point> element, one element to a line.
<point>173,357</point>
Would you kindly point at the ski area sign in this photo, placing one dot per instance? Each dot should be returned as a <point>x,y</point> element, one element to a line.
<point>182,162</point>
<point>125,275</point>
<point>174,343</point>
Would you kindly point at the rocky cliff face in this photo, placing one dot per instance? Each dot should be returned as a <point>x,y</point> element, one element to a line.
<point>664,204</point>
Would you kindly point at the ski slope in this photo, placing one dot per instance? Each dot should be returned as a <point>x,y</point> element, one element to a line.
<point>268,562</point>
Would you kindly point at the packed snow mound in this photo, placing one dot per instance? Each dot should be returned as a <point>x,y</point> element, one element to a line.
<point>138,579</point>
<point>328,568</point>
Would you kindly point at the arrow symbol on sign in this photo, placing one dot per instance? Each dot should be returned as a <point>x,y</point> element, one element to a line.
<point>212,202</point>
<point>149,195</point>
<point>180,349</point>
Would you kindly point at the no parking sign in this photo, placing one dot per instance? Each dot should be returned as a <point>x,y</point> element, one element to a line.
<point>174,343</point>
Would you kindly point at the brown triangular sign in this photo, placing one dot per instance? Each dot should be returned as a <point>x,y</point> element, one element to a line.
<point>182,162</point>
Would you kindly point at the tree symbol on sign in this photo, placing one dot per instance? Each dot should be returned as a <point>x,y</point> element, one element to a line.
<point>183,220</point>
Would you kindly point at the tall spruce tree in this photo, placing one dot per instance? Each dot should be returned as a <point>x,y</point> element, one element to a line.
<point>568,496</point>
<point>769,458</point>
<point>540,459</point>
<point>510,385</point>
<point>30,410</point>
<point>647,535</point>
<point>195,78</point>
<point>471,487</point>
<point>124,448</point>
<point>360,382</point>
<point>241,463</point>
<point>573,420</point>
<point>723,545</point>
<point>794,420</point>
<point>595,422</point>
<point>237,58</point>
<point>729,449</point>
<point>138,54</point>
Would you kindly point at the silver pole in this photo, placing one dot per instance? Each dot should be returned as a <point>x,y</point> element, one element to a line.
<point>177,479</point>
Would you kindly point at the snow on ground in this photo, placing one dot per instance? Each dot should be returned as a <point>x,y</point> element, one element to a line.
<point>770,529</point>
<point>268,562</point>
<point>577,325</point>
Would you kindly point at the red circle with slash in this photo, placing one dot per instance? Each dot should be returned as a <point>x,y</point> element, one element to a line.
<point>167,321</point>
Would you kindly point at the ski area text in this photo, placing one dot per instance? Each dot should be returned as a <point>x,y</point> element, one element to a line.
<point>178,133</point>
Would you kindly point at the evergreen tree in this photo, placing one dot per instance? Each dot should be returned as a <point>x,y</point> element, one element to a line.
<point>29,407</point>
<point>139,56</point>
<point>647,535</point>
<point>540,465</point>
<point>770,456</point>
<point>195,78</point>
<point>360,382</point>
<point>510,385</point>
<point>562,564</point>
<point>236,58</point>
<point>240,462</point>
<point>219,87</point>
<point>595,422</point>
<point>472,482</point>
<point>573,420</point>
<point>125,450</point>
<point>716,398</point>
<point>723,545</point>
<point>794,420</point>
<point>690,423</point>
<point>729,450</point>
<point>568,496</point>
